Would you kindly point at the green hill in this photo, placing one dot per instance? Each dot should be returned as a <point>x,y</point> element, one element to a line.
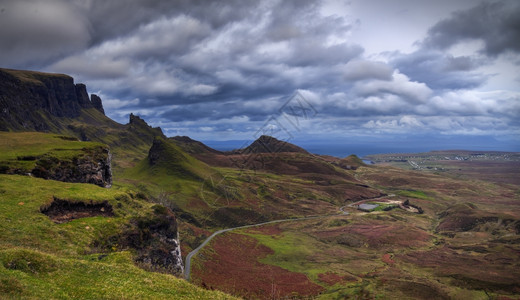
<point>82,258</point>
<point>62,240</point>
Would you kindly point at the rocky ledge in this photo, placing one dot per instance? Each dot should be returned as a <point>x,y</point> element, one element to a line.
<point>94,167</point>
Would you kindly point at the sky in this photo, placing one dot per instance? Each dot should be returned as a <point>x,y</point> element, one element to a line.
<point>414,73</point>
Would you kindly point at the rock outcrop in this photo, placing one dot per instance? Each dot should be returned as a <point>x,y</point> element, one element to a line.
<point>139,126</point>
<point>94,167</point>
<point>29,100</point>
<point>156,239</point>
<point>97,103</point>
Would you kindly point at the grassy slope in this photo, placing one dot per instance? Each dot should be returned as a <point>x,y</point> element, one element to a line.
<point>41,259</point>
<point>20,150</point>
<point>175,172</point>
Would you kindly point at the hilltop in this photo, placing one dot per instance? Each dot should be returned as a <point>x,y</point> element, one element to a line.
<point>269,144</point>
<point>192,146</point>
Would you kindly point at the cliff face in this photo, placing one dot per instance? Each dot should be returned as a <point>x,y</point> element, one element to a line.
<point>93,167</point>
<point>46,102</point>
<point>96,102</point>
<point>28,98</point>
<point>156,239</point>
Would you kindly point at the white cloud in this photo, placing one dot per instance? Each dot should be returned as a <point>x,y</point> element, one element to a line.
<point>411,91</point>
<point>201,89</point>
<point>113,104</point>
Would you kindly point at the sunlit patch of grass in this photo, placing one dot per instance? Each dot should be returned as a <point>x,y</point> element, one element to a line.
<point>21,152</point>
<point>292,251</point>
<point>33,274</point>
<point>414,194</point>
<point>45,260</point>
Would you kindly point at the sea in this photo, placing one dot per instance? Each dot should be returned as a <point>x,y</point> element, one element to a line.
<point>341,148</point>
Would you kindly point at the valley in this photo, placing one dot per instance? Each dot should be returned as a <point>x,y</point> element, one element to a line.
<point>392,254</point>
<point>94,209</point>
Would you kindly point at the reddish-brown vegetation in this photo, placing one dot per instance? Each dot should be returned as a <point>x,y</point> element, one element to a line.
<point>387,259</point>
<point>497,272</point>
<point>376,234</point>
<point>271,230</point>
<point>332,278</point>
<point>499,172</point>
<point>232,266</point>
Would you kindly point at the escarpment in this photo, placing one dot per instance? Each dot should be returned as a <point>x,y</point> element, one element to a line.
<point>29,100</point>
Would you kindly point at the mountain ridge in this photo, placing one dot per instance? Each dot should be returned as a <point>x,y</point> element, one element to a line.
<point>24,93</point>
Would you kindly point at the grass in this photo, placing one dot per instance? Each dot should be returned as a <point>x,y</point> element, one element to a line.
<point>24,225</point>
<point>414,194</point>
<point>23,150</point>
<point>290,251</point>
<point>176,177</point>
<point>41,259</point>
<point>33,77</point>
<point>33,274</point>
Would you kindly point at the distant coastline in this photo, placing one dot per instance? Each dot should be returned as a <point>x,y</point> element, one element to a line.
<point>364,149</point>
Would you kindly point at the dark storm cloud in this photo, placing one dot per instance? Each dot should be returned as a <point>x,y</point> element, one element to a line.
<point>115,18</point>
<point>230,65</point>
<point>253,110</point>
<point>36,32</point>
<point>272,48</point>
<point>496,24</point>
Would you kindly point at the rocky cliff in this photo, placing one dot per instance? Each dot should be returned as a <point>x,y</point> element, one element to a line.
<point>29,100</point>
<point>93,166</point>
<point>156,239</point>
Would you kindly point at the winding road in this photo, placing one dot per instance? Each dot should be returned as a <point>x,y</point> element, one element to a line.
<point>187,266</point>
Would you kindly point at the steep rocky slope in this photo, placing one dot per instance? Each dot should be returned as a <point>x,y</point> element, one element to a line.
<point>47,102</point>
<point>29,100</point>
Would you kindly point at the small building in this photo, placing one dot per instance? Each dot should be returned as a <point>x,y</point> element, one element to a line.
<point>367,207</point>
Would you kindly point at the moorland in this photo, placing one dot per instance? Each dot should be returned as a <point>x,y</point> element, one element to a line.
<point>94,209</point>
